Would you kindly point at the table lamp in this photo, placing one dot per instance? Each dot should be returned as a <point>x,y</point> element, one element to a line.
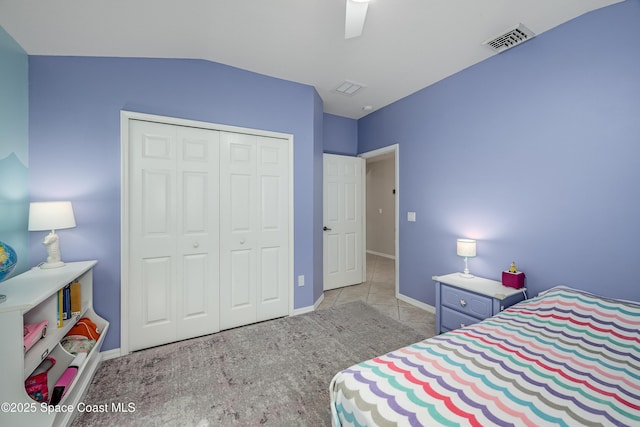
<point>466,248</point>
<point>51,216</point>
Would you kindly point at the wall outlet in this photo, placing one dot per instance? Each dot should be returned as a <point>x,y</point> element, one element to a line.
<point>411,216</point>
<point>301,280</point>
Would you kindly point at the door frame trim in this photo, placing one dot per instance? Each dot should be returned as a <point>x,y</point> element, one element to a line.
<point>125,117</point>
<point>395,148</point>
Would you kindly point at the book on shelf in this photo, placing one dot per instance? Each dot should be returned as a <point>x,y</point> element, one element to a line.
<point>60,308</point>
<point>76,299</point>
<point>66,315</point>
<point>69,302</point>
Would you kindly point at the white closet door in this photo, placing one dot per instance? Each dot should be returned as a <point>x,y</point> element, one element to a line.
<point>174,255</point>
<point>273,222</point>
<point>253,229</point>
<point>238,229</point>
<point>199,236</point>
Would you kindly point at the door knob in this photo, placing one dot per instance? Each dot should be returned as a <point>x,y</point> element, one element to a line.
<point>325,228</point>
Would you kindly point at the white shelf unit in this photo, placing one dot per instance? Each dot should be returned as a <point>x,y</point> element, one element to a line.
<point>31,298</point>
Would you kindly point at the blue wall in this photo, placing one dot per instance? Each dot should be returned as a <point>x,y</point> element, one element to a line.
<point>14,148</point>
<point>340,135</point>
<point>318,212</point>
<point>74,152</point>
<point>534,152</point>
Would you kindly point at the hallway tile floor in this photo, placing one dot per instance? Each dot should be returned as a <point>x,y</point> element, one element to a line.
<point>379,292</point>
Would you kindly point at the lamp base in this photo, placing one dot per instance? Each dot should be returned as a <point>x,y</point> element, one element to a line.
<point>466,275</point>
<point>56,264</point>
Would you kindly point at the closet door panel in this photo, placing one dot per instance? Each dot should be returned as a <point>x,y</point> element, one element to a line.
<point>156,305</point>
<point>194,296</point>
<point>273,218</point>
<point>270,278</point>
<point>152,294</point>
<point>198,218</point>
<point>242,293</point>
<point>238,230</point>
<point>173,222</point>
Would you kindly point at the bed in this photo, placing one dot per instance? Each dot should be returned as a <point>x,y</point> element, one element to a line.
<point>563,358</point>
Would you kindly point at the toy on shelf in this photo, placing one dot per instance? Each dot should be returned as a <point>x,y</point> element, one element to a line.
<point>32,333</point>
<point>37,385</point>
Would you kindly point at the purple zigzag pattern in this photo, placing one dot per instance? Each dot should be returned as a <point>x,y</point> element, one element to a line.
<point>393,403</point>
<point>565,364</point>
<point>579,337</point>
<point>590,317</point>
<point>456,390</point>
<point>496,361</point>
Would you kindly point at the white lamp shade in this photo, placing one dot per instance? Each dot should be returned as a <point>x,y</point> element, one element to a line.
<point>466,247</point>
<point>51,216</point>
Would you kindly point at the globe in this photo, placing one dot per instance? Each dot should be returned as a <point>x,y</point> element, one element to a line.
<point>8,261</point>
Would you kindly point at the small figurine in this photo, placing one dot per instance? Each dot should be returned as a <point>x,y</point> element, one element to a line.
<point>513,268</point>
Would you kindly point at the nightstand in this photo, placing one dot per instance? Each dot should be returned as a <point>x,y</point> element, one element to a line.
<point>462,301</point>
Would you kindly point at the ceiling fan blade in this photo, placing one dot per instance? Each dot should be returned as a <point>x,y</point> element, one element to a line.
<point>354,19</point>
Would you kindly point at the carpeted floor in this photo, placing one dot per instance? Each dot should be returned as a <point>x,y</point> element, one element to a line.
<point>275,373</point>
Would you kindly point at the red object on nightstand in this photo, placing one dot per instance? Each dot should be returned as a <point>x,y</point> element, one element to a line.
<point>513,280</point>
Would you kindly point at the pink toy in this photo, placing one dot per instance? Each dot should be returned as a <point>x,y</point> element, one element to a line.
<point>32,333</point>
<point>61,387</point>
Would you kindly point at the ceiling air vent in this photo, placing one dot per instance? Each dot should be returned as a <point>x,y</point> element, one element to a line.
<point>348,88</point>
<point>514,36</point>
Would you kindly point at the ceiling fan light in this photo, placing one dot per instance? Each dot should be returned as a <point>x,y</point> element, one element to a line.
<point>355,16</point>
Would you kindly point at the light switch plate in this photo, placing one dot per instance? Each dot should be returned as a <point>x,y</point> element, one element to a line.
<point>411,216</point>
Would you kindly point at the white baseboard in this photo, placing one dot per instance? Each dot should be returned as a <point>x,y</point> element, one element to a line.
<point>115,353</point>
<point>310,308</point>
<point>415,302</point>
<point>381,254</point>
<point>111,354</point>
<point>319,301</point>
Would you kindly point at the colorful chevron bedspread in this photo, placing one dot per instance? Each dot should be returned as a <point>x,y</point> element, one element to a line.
<point>564,358</point>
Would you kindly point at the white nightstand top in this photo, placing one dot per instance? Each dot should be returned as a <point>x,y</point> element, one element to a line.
<point>488,287</point>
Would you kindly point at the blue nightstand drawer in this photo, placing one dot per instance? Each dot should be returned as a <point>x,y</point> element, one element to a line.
<point>452,319</point>
<point>467,303</point>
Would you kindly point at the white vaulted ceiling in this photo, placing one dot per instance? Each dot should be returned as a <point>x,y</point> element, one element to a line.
<point>405,45</point>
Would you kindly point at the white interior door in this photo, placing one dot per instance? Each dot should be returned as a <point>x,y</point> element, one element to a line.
<point>254,232</point>
<point>343,221</point>
<point>174,226</point>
